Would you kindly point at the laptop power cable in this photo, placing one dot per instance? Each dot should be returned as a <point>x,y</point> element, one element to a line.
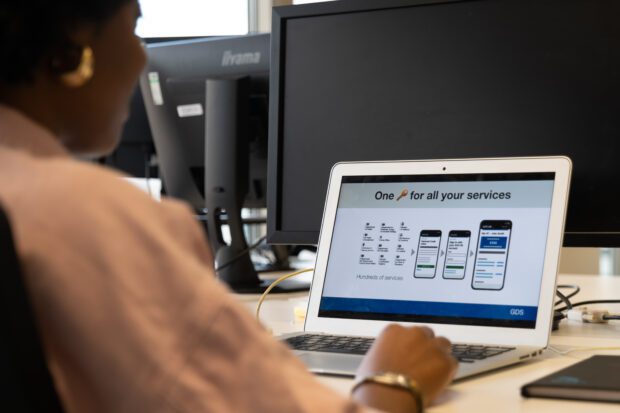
<point>272,286</point>
<point>583,314</point>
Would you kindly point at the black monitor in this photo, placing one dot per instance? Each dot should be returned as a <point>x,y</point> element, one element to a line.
<point>207,105</point>
<point>135,154</point>
<point>410,79</point>
<point>174,90</point>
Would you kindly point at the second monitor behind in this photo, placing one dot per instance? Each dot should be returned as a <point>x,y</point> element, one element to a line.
<point>207,104</point>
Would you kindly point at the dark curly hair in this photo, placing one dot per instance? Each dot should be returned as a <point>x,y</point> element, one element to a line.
<point>31,30</point>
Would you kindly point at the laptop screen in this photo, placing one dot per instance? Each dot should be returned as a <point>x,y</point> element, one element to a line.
<point>463,249</point>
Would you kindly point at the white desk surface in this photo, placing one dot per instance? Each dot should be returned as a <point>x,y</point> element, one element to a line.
<point>498,391</point>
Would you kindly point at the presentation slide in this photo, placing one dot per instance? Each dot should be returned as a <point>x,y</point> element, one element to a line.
<point>464,252</point>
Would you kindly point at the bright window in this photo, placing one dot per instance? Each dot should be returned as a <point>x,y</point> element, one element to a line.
<point>188,18</point>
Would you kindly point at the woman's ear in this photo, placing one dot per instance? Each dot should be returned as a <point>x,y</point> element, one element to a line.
<point>73,64</point>
<point>76,68</point>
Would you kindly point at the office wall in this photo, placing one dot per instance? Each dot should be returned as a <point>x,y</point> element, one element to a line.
<point>263,8</point>
<point>580,261</point>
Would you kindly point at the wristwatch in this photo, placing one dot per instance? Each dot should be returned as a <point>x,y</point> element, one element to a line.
<point>394,380</point>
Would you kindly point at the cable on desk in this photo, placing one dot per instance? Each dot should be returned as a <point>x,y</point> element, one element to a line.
<point>580,303</point>
<point>561,313</point>
<point>563,299</point>
<point>272,286</point>
<point>611,317</point>
<point>573,293</point>
<point>241,254</point>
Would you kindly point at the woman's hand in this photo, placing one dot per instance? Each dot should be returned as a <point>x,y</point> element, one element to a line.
<point>414,352</point>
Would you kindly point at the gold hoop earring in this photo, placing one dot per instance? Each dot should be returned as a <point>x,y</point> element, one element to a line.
<point>83,73</point>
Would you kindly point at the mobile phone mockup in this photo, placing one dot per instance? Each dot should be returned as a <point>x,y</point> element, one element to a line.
<point>457,252</point>
<point>428,254</point>
<point>492,255</point>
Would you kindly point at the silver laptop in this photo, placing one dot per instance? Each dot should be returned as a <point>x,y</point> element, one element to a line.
<point>469,248</point>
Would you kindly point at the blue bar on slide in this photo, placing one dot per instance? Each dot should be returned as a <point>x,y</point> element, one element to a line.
<point>430,308</point>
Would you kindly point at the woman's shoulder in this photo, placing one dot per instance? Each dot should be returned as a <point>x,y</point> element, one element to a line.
<point>74,192</point>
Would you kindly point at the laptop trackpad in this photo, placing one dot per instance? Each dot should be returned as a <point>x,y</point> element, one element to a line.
<point>330,363</point>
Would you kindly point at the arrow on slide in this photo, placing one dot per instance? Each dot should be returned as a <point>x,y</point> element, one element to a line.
<point>442,253</point>
<point>412,252</point>
<point>471,253</point>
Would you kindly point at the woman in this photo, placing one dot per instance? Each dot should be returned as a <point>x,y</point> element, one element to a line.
<point>123,290</point>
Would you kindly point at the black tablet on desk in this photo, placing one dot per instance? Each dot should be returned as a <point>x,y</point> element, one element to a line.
<point>594,379</point>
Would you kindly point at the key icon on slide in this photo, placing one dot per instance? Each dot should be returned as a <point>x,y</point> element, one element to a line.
<point>403,193</point>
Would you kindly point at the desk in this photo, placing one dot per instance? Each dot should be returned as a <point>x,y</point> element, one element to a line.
<point>498,391</point>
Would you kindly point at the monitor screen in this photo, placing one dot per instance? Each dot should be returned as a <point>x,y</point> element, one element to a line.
<point>406,79</point>
<point>462,249</point>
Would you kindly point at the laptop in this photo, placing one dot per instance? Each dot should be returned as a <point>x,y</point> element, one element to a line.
<point>467,247</point>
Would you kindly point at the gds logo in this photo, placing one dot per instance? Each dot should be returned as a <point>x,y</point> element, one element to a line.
<point>517,312</point>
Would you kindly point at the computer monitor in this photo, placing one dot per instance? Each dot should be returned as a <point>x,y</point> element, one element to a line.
<point>135,154</point>
<point>207,105</point>
<point>410,79</point>
<point>174,90</point>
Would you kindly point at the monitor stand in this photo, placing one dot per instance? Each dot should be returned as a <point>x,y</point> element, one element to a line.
<point>226,185</point>
<point>241,276</point>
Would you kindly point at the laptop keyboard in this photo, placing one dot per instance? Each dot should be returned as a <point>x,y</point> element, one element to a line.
<point>464,353</point>
<point>468,353</point>
<point>330,344</point>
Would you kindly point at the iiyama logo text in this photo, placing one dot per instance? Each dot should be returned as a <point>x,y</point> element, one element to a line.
<point>239,59</point>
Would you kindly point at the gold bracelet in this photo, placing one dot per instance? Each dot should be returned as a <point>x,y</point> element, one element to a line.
<point>394,380</point>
